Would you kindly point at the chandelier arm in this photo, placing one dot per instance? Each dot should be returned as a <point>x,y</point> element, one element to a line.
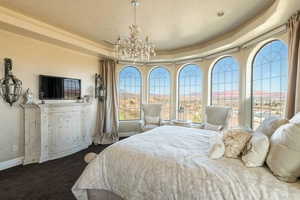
<point>134,13</point>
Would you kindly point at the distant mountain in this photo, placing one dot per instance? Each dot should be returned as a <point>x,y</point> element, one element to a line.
<point>256,93</point>
<point>222,93</point>
<point>267,94</point>
<point>226,93</point>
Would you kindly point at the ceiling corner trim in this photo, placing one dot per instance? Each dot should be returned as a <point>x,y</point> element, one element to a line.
<point>276,31</point>
<point>26,23</point>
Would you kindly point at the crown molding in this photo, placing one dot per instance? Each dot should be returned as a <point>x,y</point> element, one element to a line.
<point>281,29</point>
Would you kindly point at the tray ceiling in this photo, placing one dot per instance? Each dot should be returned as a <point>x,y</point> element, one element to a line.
<point>172,24</point>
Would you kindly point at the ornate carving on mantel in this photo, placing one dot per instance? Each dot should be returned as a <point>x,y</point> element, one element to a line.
<point>55,130</point>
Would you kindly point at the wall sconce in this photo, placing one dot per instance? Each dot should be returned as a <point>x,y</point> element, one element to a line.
<point>99,87</point>
<point>10,86</point>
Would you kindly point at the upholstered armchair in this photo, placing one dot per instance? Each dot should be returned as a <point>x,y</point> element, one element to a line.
<point>150,116</point>
<point>216,118</point>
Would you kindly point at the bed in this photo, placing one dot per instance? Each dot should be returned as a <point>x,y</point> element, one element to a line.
<point>172,162</point>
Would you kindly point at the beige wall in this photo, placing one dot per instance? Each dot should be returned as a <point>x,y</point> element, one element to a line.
<point>30,59</point>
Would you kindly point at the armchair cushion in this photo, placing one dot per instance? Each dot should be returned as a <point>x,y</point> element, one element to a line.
<point>218,115</point>
<point>152,120</point>
<point>212,127</point>
<point>151,116</point>
<point>149,127</point>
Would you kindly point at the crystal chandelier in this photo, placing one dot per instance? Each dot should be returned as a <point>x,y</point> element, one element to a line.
<point>134,48</point>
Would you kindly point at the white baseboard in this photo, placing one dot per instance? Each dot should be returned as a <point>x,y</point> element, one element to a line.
<point>11,163</point>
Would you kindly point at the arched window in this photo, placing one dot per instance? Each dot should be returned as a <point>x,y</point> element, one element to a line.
<point>159,89</point>
<point>225,86</point>
<point>269,81</point>
<point>130,84</point>
<point>190,93</point>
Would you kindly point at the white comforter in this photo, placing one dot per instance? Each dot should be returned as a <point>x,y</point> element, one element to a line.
<point>171,163</point>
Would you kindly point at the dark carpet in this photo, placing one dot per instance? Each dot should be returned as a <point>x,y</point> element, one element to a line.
<point>52,180</point>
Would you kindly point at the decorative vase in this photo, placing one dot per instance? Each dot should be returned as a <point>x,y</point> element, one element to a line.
<point>28,97</point>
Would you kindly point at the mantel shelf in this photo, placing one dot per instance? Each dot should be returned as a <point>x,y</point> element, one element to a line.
<point>55,104</point>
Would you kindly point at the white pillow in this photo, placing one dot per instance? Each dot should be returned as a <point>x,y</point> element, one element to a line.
<point>270,125</point>
<point>296,119</point>
<point>256,150</point>
<point>211,127</point>
<point>284,155</point>
<point>217,147</point>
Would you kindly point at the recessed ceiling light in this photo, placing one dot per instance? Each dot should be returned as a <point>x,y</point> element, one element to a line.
<point>220,13</point>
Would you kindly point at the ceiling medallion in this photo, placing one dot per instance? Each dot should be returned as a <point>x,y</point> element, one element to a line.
<point>133,47</point>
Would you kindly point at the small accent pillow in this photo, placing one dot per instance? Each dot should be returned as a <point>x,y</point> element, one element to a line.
<point>269,125</point>
<point>235,141</point>
<point>211,127</point>
<point>152,120</point>
<point>296,119</point>
<point>256,150</point>
<point>217,147</point>
<point>284,155</point>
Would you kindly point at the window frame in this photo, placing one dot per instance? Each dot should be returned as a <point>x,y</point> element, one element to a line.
<point>239,81</point>
<point>141,92</point>
<point>252,74</point>
<point>178,89</point>
<point>170,96</point>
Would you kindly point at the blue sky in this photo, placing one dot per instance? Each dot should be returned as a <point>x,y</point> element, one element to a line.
<point>225,75</point>
<point>160,81</point>
<point>270,68</point>
<point>130,80</point>
<point>190,80</point>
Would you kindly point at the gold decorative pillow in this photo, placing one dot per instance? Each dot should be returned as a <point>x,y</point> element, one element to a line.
<point>235,141</point>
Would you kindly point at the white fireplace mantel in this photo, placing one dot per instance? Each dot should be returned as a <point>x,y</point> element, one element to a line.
<point>55,130</point>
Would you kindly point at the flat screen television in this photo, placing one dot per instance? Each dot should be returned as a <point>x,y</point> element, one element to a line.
<point>59,88</point>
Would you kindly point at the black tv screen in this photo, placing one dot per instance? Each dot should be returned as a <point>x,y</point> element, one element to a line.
<point>59,88</point>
